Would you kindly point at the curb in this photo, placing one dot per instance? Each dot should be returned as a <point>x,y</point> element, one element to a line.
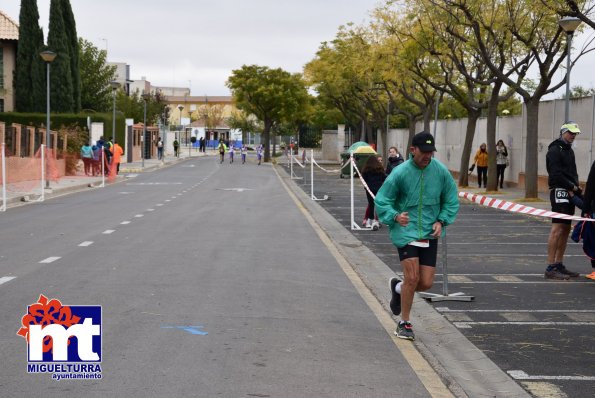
<point>465,369</point>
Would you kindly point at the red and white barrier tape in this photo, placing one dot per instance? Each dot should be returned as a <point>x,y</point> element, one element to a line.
<point>362,179</point>
<point>297,161</point>
<point>322,168</point>
<point>517,208</point>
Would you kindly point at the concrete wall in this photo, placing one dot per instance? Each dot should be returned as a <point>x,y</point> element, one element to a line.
<point>450,137</point>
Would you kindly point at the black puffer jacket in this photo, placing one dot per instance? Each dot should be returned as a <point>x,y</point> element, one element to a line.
<point>393,162</point>
<point>561,166</point>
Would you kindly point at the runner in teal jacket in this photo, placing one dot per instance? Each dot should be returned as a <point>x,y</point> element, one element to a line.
<point>428,195</point>
<point>416,201</point>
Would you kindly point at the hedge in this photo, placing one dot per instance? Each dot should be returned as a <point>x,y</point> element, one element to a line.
<point>60,120</point>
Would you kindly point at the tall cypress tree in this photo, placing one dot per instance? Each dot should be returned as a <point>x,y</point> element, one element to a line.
<point>73,46</point>
<point>28,76</point>
<point>62,94</point>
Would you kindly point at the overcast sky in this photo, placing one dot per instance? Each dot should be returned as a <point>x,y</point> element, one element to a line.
<point>198,43</point>
<point>175,42</point>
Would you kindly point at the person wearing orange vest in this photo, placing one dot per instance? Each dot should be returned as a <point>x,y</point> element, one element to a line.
<point>481,161</point>
<point>117,153</point>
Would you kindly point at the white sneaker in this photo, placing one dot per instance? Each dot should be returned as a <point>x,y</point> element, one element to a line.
<point>368,223</point>
<point>375,225</point>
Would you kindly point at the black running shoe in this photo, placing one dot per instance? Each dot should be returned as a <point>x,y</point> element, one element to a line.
<point>405,331</point>
<point>562,269</point>
<point>555,274</point>
<point>395,298</point>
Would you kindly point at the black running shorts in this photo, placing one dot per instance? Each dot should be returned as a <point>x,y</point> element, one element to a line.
<point>561,203</point>
<point>426,255</point>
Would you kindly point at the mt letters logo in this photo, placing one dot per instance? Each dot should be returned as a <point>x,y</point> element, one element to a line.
<point>64,341</point>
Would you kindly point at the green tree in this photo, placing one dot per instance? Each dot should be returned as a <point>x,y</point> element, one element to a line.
<point>274,96</point>
<point>62,94</point>
<point>73,52</point>
<point>537,40</point>
<point>239,120</point>
<point>29,77</point>
<point>96,93</point>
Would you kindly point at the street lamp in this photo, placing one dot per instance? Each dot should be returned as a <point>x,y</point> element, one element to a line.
<point>144,137</point>
<point>569,25</point>
<point>48,57</point>
<point>114,85</point>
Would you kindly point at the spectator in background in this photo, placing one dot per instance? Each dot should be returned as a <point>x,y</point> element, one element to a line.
<point>481,161</point>
<point>117,153</point>
<point>96,165</point>
<point>562,178</point>
<point>87,158</point>
<point>394,159</point>
<point>501,161</point>
<point>373,174</point>
<point>176,148</point>
<point>159,148</point>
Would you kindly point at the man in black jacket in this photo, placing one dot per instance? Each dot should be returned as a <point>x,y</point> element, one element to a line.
<point>562,178</point>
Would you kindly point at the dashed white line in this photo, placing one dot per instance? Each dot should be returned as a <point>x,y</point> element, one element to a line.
<point>125,223</point>
<point>150,209</point>
<point>159,204</point>
<point>49,260</point>
<point>108,231</point>
<point>468,325</point>
<point>5,279</point>
<point>446,309</point>
<point>86,243</point>
<point>139,215</point>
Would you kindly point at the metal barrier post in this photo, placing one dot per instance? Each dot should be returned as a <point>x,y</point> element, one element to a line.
<point>445,296</point>
<point>325,197</point>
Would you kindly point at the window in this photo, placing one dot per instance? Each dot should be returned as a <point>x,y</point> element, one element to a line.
<point>1,105</point>
<point>2,71</point>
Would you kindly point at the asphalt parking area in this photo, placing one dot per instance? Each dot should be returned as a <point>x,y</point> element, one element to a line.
<point>540,332</point>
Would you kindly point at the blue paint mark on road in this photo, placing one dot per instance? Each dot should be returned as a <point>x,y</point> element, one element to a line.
<point>196,330</point>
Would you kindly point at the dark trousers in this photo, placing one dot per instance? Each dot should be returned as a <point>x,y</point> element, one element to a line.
<point>500,174</point>
<point>482,174</point>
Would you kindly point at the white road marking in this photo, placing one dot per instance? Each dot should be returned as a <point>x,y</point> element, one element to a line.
<point>159,204</point>
<point>167,200</point>
<point>506,278</point>
<point>459,279</point>
<point>568,282</point>
<point>520,375</point>
<point>125,223</point>
<point>154,183</point>
<point>109,231</point>
<point>150,209</point>
<point>125,193</point>
<point>518,317</point>
<point>236,189</point>
<point>139,215</point>
<point>49,260</point>
<point>468,325</point>
<point>446,309</point>
<point>5,279</point>
<point>86,243</point>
